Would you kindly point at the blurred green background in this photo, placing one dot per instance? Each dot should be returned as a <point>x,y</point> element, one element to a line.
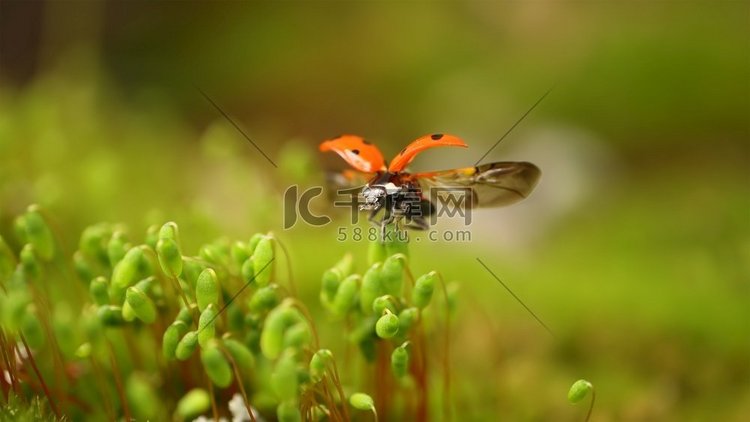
<point>635,248</point>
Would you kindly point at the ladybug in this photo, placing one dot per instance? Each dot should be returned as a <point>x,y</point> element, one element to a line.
<point>401,194</point>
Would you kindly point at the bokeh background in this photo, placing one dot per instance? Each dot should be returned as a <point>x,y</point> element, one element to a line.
<point>634,249</point>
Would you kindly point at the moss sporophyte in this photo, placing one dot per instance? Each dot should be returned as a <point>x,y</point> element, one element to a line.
<point>181,334</point>
<point>154,333</point>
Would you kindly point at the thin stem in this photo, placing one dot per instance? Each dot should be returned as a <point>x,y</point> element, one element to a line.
<point>175,282</point>
<point>214,409</point>
<point>45,316</point>
<point>337,383</point>
<point>591,406</point>
<point>446,353</point>
<point>306,313</point>
<point>50,399</point>
<point>118,382</point>
<point>239,383</point>
<point>7,359</point>
<point>288,260</point>
<point>109,407</point>
<point>331,403</point>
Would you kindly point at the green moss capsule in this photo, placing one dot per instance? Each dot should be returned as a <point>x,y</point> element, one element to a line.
<point>32,329</point>
<point>19,229</point>
<point>346,296</point>
<point>381,303</point>
<point>362,401</point>
<point>288,411</point>
<point>83,351</point>
<point>387,325</point>
<point>207,289</point>
<point>407,318</point>
<point>207,324</point>
<point>171,338</point>
<point>239,253</point>
<point>400,360</point>
<point>110,315</point>
<point>192,404</point>
<point>7,261</point>
<point>66,329</point>
<point>423,289</point>
<point>169,230</point>
<point>152,236</point>
<point>240,353</point>
<point>297,336</point>
<point>83,268</point>
<point>579,390</point>
<point>142,397</point>
<point>126,272</point>
<point>170,257</point>
<point>372,287</point>
<point>191,270</point>
<point>39,234</point>
<point>272,336</point>
<point>284,378</point>
<point>128,314</point>
<point>345,265</point>
<point>186,314</point>
<point>264,299</point>
<point>149,285</point>
<point>187,345</point>
<point>262,261</point>
<point>330,285</point>
<point>93,242</point>
<point>99,290</point>
<point>248,270</point>
<point>392,275</point>
<point>32,268</point>
<point>319,363</point>
<point>216,364</point>
<point>376,252</point>
<point>214,254</point>
<point>142,305</point>
<point>116,248</point>
<point>13,308</point>
<point>252,244</point>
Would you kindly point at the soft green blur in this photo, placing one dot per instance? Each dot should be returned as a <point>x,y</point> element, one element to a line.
<point>634,250</point>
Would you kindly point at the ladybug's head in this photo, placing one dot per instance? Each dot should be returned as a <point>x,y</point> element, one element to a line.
<point>374,197</point>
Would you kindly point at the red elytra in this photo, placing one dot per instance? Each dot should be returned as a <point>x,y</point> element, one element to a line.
<point>359,153</point>
<point>366,157</point>
<point>406,155</point>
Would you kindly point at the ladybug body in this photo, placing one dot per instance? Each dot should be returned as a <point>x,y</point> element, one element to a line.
<point>402,194</point>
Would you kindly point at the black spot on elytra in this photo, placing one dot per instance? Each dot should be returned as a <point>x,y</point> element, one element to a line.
<point>355,151</point>
<point>436,136</point>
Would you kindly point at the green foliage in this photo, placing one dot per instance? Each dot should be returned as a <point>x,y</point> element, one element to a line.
<point>17,409</point>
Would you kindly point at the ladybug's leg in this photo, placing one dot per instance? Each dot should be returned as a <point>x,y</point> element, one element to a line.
<point>387,219</point>
<point>418,223</point>
<point>371,218</point>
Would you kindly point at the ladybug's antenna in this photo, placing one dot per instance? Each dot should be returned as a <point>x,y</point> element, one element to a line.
<point>515,124</point>
<point>236,126</point>
<point>518,299</point>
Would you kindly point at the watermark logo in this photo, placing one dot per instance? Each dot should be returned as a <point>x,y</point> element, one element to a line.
<point>413,208</point>
<point>451,202</point>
